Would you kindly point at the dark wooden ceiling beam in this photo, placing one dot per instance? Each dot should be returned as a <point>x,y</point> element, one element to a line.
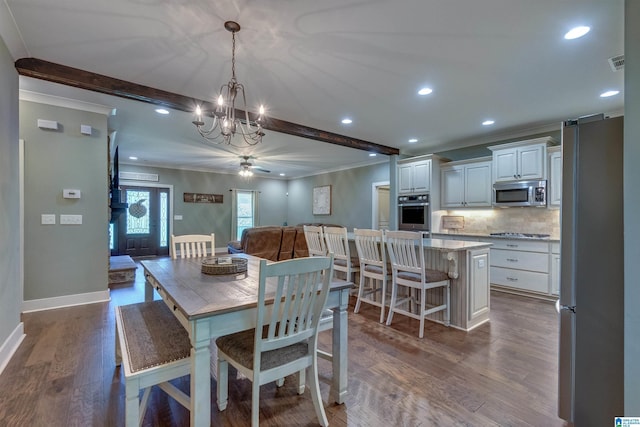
<point>57,73</point>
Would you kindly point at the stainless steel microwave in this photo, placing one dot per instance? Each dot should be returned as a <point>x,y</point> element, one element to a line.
<point>520,193</point>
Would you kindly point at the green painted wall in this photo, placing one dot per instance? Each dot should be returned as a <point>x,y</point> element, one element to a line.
<point>64,259</point>
<point>10,286</point>
<point>205,218</point>
<point>351,193</point>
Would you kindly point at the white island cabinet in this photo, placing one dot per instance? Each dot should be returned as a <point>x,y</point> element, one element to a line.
<point>467,264</point>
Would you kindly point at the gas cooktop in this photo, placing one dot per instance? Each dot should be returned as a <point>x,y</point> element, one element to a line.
<point>521,235</point>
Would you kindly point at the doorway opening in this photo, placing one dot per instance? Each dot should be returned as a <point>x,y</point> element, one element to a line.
<point>143,230</point>
<point>380,205</point>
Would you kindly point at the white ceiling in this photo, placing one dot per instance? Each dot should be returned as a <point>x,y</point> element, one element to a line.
<point>315,62</point>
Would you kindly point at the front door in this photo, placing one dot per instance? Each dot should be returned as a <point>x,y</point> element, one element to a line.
<point>144,229</point>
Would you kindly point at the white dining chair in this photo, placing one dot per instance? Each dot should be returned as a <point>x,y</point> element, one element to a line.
<point>373,266</point>
<point>315,240</point>
<point>337,242</point>
<point>406,252</point>
<point>193,245</point>
<point>285,338</point>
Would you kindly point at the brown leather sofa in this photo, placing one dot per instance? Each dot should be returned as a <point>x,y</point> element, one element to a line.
<point>275,243</point>
<point>263,242</point>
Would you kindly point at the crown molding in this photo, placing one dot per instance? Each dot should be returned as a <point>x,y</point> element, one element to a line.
<point>58,101</point>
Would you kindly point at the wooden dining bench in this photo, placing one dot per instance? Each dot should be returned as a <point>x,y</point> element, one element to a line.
<point>153,348</point>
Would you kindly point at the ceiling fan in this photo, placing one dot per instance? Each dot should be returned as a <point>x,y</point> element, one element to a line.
<point>246,166</point>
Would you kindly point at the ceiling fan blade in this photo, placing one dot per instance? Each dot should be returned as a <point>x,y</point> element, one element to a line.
<point>261,169</point>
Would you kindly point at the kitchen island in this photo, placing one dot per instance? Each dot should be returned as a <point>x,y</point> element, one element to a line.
<point>467,265</point>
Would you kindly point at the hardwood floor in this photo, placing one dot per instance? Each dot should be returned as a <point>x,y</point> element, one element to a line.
<point>501,374</point>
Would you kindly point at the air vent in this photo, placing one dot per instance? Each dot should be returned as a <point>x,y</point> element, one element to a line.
<point>134,176</point>
<point>617,62</point>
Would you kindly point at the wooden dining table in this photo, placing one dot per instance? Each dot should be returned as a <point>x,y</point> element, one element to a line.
<point>210,306</point>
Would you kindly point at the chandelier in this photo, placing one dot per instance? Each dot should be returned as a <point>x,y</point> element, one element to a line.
<point>225,124</point>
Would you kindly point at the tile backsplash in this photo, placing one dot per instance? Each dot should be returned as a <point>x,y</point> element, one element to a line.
<point>518,220</point>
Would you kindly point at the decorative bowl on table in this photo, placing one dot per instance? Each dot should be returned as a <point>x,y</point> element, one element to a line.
<point>224,265</point>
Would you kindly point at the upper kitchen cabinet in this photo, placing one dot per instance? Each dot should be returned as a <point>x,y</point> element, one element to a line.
<point>555,176</point>
<point>466,184</point>
<point>522,160</point>
<point>415,174</point>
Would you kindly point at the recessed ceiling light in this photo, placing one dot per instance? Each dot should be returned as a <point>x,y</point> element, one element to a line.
<point>413,140</point>
<point>425,91</point>
<point>162,111</point>
<point>577,32</point>
<point>133,158</point>
<point>347,121</point>
<point>372,154</point>
<point>609,93</point>
<point>281,174</point>
<point>488,122</point>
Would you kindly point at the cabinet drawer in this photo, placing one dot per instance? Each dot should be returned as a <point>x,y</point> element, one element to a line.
<point>526,280</point>
<point>533,261</point>
<point>521,245</point>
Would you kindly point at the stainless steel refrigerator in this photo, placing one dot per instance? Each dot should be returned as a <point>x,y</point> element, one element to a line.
<point>591,377</point>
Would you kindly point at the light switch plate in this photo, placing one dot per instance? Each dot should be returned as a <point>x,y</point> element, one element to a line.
<point>71,219</point>
<point>47,219</point>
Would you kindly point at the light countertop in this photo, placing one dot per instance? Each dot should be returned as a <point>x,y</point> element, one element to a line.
<point>454,245</point>
<point>462,235</point>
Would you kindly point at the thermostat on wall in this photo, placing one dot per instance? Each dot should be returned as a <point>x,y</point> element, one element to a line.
<point>69,193</point>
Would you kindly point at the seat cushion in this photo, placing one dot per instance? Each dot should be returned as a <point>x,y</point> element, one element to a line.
<point>355,262</point>
<point>153,335</point>
<point>240,346</point>
<point>432,276</point>
<point>373,269</point>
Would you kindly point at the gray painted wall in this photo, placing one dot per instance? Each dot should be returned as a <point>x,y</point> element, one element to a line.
<point>64,259</point>
<point>632,208</point>
<point>204,218</point>
<point>350,196</point>
<point>10,286</point>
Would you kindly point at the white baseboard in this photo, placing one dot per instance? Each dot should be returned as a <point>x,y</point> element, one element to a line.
<point>10,345</point>
<point>65,301</point>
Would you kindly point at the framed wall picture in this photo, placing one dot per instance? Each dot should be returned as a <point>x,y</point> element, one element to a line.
<point>322,200</point>
<point>202,198</point>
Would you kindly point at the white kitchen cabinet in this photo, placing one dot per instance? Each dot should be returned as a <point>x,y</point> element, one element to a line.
<point>466,184</point>
<point>554,275</point>
<point>555,177</point>
<point>520,265</point>
<point>522,160</point>
<point>414,177</point>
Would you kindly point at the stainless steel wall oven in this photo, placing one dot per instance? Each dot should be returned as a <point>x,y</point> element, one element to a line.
<point>414,213</point>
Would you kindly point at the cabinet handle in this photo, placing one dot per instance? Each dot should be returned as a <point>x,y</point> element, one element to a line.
<point>512,279</point>
<point>511,245</point>
<point>512,259</point>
